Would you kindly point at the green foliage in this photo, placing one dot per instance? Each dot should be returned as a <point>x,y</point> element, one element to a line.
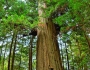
<point>19,8</point>
<point>24,15</point>
<point>53,5</point>
<point>15,19</point>
<point>66,18</point>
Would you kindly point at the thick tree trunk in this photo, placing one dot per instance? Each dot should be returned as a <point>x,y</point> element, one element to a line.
<point>48,55</point>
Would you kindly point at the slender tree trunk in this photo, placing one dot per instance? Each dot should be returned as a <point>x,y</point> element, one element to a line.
<point>30,53</point>
<point>9,62</point>
<point>13,56</point>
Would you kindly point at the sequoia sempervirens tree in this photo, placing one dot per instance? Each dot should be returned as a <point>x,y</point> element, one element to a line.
<point>48,54</point>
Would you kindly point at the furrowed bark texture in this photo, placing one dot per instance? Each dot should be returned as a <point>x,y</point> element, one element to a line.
<point>48,55</point>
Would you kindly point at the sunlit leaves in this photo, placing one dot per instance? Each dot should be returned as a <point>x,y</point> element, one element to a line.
<point>19,8</point>
<point>66,18</point>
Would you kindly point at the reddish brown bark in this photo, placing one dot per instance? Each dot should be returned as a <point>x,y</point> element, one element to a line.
<point>48,55</point>
<point>30,52</point>
<point>13,55</point>
<point>9,59</point>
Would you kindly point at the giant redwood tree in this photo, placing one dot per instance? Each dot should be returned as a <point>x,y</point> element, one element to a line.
<point>48,55</point>
<point>67,21</point>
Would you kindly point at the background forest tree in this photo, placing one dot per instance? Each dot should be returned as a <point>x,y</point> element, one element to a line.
<point>19,17</point>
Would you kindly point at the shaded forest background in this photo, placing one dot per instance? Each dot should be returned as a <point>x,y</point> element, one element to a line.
<point>18,46</point>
